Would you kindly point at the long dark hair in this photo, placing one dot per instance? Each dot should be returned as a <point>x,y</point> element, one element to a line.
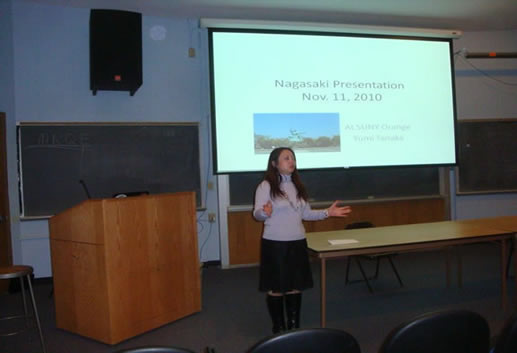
<point>272,176</point>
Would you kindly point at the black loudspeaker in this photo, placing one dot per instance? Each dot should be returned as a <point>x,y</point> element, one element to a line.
<point>115,51</point>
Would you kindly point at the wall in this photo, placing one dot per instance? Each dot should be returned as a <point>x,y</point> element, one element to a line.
<point>44,76</point>
<point>51,84</point>
<point>485,89</point>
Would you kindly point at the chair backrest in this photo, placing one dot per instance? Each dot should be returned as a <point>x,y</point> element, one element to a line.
<point>448,331</point>
<point>315,340</point>
<point>358,225</point>
<point>155,349</point>
<point>507,340</point>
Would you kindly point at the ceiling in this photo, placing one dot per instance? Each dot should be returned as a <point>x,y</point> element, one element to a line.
<point>464,15</point>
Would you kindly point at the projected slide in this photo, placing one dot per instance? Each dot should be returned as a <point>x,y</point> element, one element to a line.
<point>338,101</point>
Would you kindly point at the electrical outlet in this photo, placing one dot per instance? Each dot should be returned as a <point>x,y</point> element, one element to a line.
<point>191,52</point>
<point>211,217</point>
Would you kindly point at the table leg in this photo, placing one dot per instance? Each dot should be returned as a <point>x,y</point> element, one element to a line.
<point>503,273</point>
<point>448,266</point>
<point>323,286</point>
<point>515,265</point>
<point>460,266</point>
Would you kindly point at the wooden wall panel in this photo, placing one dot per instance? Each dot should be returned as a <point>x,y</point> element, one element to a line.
<point>244,232</point>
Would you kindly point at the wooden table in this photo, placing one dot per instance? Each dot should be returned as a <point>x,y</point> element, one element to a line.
<point>413,237</point>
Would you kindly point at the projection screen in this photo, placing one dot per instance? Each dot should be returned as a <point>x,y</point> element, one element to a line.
<point>339,100</point>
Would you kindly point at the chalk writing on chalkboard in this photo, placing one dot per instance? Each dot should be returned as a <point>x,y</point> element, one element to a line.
<point>57,161</point>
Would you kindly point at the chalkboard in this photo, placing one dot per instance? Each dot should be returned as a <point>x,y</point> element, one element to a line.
<point>487,156</point>
<point>349,184</point>
<point>109,158</point>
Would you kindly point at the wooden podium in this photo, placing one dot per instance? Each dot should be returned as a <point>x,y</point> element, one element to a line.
<point>124,266</point>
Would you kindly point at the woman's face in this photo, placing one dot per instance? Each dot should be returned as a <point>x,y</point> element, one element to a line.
<point>286,162</point>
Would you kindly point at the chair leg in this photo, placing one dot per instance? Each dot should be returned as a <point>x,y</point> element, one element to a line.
<point>35,309</point>
<point>377,265</point>
<point>24,298</point>
<point>395,270</point>
<point>364,275</point>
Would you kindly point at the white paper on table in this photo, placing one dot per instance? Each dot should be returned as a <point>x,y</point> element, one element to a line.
<point>342,241</point>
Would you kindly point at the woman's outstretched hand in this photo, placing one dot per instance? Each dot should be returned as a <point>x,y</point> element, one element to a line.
<point>338,211</point>
<point>268,208</point>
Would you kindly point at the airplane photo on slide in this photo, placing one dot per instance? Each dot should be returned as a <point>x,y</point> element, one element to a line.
<point>303,132</point>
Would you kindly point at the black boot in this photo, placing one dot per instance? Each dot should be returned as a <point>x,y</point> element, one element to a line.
<point>293,302</point>
<point>275,304</point>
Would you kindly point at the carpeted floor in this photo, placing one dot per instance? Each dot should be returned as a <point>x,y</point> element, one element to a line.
<point>234,315</point>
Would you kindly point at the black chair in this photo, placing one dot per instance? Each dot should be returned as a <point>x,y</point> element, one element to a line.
<point>376,257</point>
<point>314,340</point>
<point>506,342</point>
<point>448,331</point>
<point>155,349</point>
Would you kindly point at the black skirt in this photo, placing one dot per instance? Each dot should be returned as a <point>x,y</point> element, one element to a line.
<point>284,266</point>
